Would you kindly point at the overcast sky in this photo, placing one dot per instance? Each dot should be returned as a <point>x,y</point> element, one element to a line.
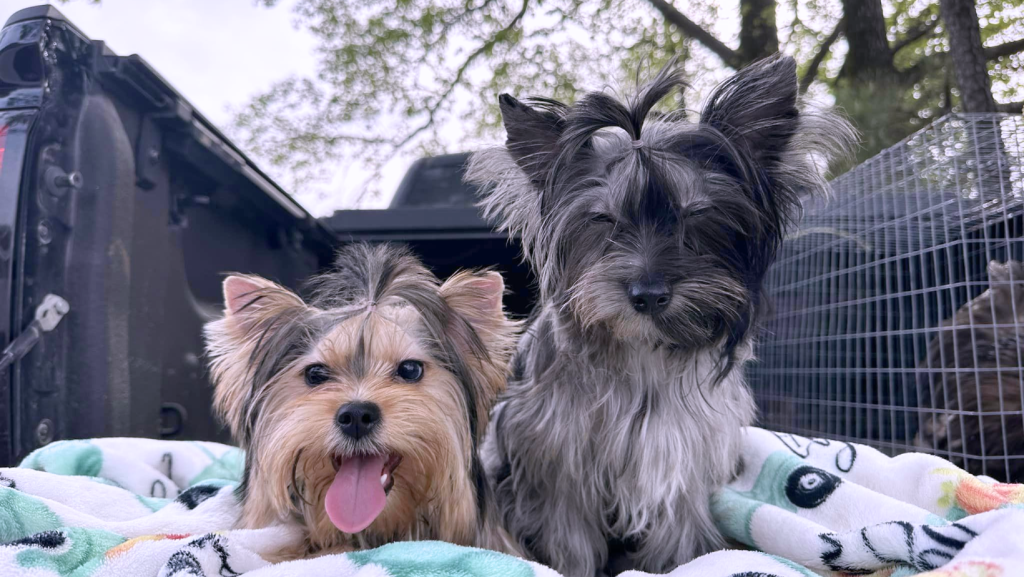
<point>217,53</point>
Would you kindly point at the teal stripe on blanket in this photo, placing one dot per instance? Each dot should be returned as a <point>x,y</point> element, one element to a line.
<point>67,458</point>
<point>412,559</point>
<point>22,515</point>
<point>72,552</point>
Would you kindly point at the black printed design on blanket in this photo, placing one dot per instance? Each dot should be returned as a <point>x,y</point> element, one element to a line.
<point>846,457</point>
<point>183,564</point>
<point>158,489</point>
<point>43,540</point>
<point>193,496</point>
<point>908,540</point>
<point>807,487</point>
<point>7,482</point>
<point>167,461</point>
<point>186,561</point>
<point>945,543</point>
<point>923,547</point>
<point>801,447</point>
<point>833,552</point>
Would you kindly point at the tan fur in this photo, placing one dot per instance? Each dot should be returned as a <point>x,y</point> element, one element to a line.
<point>477,297</point>
<point>433,495</point>
<point>230,341</point>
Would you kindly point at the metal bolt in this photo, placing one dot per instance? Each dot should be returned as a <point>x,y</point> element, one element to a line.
<point>62,307</point>
<point>44,432</point>
<point>71,179</point>
<point>44,233</point>
<point>58,182</point>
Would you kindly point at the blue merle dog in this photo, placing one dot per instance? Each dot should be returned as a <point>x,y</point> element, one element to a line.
<point>650,237</point>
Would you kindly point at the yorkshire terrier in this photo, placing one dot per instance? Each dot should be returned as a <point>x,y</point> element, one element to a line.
<point>361,411</point>
<point>978,355</point>
<point>650,237</point>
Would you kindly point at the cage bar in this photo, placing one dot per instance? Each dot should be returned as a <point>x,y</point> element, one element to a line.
<point>887,328</point>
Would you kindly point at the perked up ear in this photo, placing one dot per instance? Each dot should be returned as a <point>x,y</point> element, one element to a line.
<point>250,304</point>
<point>249,297</point>
<point>1006,285</point>
<point>1004,272</point>
<point>532,135</point>
<point>756,108</point>
<point>476,297</point>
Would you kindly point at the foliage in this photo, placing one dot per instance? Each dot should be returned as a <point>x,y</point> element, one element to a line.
<point>421,76</point>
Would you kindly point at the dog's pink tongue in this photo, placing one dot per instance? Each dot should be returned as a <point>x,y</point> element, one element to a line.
<point>356,496</point>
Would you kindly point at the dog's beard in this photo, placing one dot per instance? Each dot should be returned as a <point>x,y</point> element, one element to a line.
<point>700,310</point>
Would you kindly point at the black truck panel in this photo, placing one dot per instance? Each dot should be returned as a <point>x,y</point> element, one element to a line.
<point>117,196</point>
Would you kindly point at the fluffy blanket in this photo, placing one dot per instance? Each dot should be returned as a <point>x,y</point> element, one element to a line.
<point>805,507</point>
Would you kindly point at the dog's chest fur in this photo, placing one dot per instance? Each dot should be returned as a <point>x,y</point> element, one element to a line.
<point>636,438</point>
<point>664,436</point>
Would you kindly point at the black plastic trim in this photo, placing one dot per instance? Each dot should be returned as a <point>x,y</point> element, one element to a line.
<point>40,12</point>
<point>410,224</point>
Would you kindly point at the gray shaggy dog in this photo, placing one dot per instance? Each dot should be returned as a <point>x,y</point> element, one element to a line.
<point>650,237</point>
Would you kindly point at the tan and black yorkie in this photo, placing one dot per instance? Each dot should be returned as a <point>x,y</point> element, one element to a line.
<point>360,411</point>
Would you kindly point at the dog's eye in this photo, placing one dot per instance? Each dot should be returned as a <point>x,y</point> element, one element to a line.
<point>317,375</point>
<point>410,371</point>
<point>601,219</point>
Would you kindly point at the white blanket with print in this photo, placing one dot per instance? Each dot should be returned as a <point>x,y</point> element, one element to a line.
<point>138,507</point>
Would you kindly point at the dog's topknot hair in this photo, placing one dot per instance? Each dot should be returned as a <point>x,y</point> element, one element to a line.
<point>598,110</point>
<point>367,275</point>
<point>754,130</point>
<point>745,165</point>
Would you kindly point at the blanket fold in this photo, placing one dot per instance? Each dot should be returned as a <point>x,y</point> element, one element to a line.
<point>805,507</point>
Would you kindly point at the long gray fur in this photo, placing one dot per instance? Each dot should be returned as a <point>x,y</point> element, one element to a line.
<point>618,426</point>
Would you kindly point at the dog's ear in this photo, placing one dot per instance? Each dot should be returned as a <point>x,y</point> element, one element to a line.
<point>757,108</point>
<point>532,136</point>
<point>1005,272</point>
<point>248,298</point>
<point>249,301</point>
<point>476,297</point>
<point>1006,285</point>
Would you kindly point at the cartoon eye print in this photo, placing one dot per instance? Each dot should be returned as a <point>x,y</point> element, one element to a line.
<point>808,487</point>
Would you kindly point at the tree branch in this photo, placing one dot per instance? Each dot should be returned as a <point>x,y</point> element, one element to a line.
<point>693,30</point>
<point>498,37</point>
<point>1012,47</point>
<point>432,110</point>
<point>443,34</point>
<point>812,69</point>
<point>1010,107</point>
<point>923,29</point>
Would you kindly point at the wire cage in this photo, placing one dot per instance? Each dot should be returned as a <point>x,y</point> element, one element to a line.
<point>899,304</point>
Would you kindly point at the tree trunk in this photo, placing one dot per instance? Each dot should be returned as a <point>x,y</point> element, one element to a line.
<point>870,90</point>
<point>759,36</point>
<point>968,55</point>
<point>869,57</point>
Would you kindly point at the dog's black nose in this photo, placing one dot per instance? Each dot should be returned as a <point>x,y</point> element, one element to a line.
<point>649,297</point>
<point>359,419</point>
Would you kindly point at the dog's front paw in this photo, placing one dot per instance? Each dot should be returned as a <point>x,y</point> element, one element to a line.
<point>290,552</point>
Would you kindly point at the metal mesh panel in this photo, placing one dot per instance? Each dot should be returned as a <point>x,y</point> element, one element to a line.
<point>885,330</point>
